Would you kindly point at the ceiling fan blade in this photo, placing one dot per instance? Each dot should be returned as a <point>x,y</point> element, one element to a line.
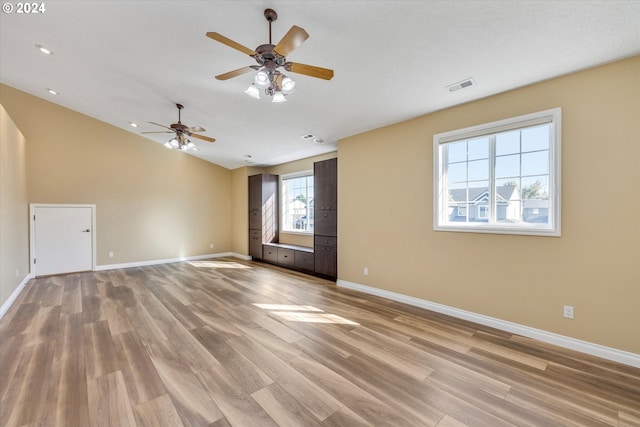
<point>234,73</point>
<point>235,45</point>
<point>196,129</point>
<point>158,124</point>
<point>294,38</point>
<point>309,70</point>
<point>204,138</point>
<point>162,131</point>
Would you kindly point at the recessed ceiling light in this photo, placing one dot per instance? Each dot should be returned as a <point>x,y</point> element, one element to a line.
<point>44,49</point>
<point>53,92</point>
<point>133,124</point>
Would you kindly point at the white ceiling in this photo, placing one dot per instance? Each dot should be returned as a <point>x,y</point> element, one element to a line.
<point>123,61</point>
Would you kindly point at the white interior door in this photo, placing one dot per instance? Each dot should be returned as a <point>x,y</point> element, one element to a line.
<point>63,239</point>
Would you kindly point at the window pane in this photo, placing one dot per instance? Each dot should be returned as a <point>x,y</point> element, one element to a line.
<point>457,172</point>
<point>478,149</point>
<point>535,211</point>
<point>508,143</point>
<point>535,187</point>
<point>535,138</point>
<point>536,163</point>
<point>457,152</point>
<point>508,182</point>
<point>507,166</point>
<point>479,170</point>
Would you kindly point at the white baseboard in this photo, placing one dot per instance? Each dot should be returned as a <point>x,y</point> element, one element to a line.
<point>170,260</point>
<point>598,350</point>
<point>14,295</point>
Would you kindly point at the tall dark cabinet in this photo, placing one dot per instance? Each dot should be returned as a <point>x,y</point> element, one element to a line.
<point>325,212</point>
<point>263,212</point>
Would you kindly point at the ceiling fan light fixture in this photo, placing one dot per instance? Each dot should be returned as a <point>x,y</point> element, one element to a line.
<point>278,96</point>
<point>191,145</point>
<point>253,91</point>
<point>262,79</point>
<point>288,85</point>
<point>168,145</point>
<point>174,143</point>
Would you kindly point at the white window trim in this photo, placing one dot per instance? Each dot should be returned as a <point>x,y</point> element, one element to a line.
<point>552,116</point>
<point>281,219</point>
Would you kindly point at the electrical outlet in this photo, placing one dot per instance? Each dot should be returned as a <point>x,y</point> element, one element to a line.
<point>110,254</point>
<point>366,271</point>
<point>568,312</point>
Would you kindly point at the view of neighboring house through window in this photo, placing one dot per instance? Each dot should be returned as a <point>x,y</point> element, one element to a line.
<point>297,202</point>
<point>500,177</point>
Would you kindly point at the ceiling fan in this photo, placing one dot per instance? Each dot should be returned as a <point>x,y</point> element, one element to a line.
<point>271,59</point>
<point>181,141</point>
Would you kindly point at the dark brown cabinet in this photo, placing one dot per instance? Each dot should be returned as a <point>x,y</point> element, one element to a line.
<point>263,212</point>
<point>322,259</point>
<point>303,260</point>
<point>289,256</point>
<point>325,178</point>
<point>325,248</point>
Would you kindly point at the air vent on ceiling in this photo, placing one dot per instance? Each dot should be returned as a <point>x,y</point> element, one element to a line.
<point>461,85</point>
<point>308,136</point>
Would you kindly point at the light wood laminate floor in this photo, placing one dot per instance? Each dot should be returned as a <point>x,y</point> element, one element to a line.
<point>232,343</point>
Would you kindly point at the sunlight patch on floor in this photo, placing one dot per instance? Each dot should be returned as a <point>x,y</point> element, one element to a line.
<point>304,313</point>
<point>286,307</point>
<point>217,264</point>
<point>313,317</point>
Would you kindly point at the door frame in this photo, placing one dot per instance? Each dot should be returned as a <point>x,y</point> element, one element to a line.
<point>32,227</point>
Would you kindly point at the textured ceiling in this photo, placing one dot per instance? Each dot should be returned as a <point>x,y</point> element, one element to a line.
<point>123,61</point>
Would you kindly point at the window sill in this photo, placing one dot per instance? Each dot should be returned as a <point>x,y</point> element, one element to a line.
<point>297,233</point>
<point>545,232</point>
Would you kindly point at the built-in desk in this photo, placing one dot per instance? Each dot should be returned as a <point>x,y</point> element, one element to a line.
<point>290,256</point>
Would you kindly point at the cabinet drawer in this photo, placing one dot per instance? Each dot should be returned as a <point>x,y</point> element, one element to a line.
<point>304,260</point>
<point>325,241</point>
<point>270,253</point>
<point>286,257</point>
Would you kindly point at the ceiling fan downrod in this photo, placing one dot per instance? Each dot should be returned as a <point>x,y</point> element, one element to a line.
<point>271,16</point>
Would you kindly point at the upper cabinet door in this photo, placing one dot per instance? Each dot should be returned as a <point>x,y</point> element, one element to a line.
<point>325,176</point>
<point>255,202</point>
<point>325,185</point>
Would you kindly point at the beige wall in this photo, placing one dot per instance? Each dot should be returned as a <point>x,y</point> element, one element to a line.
<point>240,211</point>
<point>385,216</point>
<point>151,203</point>
<point>14,209</point>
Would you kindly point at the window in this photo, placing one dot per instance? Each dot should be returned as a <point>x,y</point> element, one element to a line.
<point>501,177</point>
<point>297,202</point>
